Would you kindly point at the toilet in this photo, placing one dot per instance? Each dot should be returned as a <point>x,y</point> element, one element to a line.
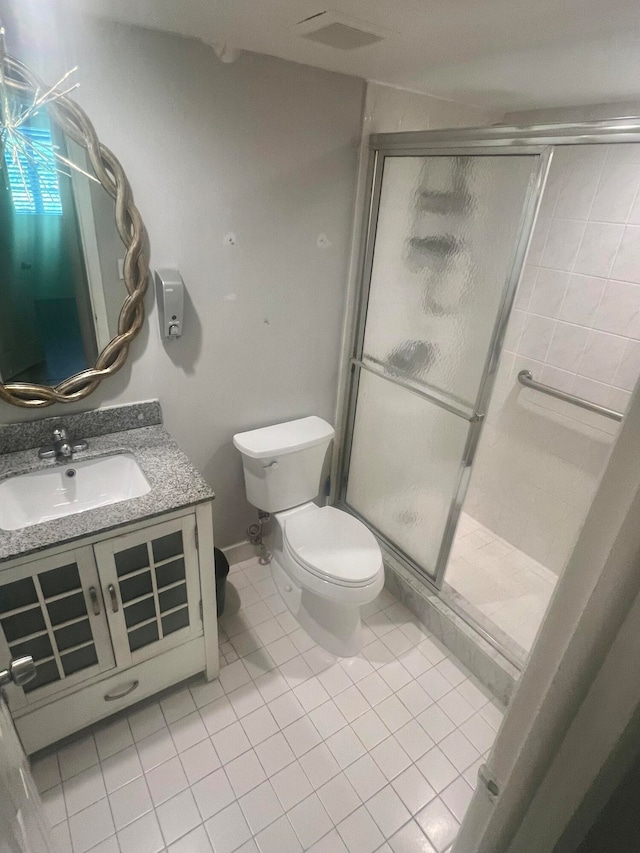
<point>325,563</point>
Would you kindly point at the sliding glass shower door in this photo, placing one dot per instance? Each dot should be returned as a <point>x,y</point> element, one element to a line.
<point>446,239</point>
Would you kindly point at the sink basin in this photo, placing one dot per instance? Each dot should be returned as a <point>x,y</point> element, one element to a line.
<point>67,489</point>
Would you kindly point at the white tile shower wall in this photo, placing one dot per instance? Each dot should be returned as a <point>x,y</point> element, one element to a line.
<point>576,326</point>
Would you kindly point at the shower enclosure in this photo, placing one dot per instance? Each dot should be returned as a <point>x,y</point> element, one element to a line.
<point>449,221</point>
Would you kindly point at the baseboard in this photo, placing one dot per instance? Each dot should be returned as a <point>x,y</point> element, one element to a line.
<point>239,552</point>
<point>488,665</point>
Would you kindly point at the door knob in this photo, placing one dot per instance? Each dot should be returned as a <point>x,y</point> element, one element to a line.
<point>21,670</point>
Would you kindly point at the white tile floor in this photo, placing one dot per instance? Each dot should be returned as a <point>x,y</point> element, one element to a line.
<point>503,583</point>
<point>291,750</point>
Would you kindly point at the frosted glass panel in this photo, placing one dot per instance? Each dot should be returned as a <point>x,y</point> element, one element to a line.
<point>444,247</point>
<point>405,466</point>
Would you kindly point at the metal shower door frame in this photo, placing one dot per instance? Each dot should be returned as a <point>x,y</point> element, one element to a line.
<point>472,142</point>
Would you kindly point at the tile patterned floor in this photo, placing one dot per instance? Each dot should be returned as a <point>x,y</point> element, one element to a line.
<point>291,750</point>
<point>503,583</point>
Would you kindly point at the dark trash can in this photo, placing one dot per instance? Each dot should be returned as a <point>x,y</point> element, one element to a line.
<point>222,570</point>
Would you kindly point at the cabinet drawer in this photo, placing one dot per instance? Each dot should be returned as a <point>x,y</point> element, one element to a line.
<point>62,717</point>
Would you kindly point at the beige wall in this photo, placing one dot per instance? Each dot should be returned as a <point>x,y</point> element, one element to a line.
<point>587,112</point>
<point>390,110</point>
<point>262,148</point>
<point>270,151</point>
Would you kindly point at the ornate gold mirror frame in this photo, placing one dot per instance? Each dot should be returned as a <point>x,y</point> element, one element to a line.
<point>20,80</point>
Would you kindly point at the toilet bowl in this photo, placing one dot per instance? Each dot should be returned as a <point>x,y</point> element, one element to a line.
<point>325,563</point>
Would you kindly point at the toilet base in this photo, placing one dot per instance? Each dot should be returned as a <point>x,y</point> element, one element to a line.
<point>334,626</point>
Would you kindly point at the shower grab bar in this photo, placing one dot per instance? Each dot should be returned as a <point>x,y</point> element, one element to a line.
<point>525,378</point>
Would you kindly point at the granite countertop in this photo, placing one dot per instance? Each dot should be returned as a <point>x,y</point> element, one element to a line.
<point>174,482</point>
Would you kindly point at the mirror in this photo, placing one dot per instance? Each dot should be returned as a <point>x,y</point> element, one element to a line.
<point>73,249</point>
<point>60,289</point>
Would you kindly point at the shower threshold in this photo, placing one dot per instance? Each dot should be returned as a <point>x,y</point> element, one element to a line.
<point>490,607</point>
<point>503,590</point>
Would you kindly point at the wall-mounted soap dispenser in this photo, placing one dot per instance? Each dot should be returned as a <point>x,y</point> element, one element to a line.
<point>170,296</point>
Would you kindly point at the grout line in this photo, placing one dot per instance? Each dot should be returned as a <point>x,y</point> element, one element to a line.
<point>390,608</point>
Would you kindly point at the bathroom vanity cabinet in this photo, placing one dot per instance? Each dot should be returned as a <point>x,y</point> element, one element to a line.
<point>115,600</point>
<point>109,619</point>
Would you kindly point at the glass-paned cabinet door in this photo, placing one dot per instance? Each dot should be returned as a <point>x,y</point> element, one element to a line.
<point>52,609</point>
<point>151,588</point>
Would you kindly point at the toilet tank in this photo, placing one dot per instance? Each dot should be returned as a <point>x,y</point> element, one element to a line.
<point>283,463</point>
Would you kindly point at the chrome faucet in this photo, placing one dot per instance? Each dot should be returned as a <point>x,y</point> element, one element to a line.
<point>63,448</point>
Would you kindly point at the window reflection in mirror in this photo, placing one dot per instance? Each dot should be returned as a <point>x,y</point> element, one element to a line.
<point>60,286</point>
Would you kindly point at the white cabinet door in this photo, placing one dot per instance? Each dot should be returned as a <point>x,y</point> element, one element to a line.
<point>150,583</point>
<point>52,609</point>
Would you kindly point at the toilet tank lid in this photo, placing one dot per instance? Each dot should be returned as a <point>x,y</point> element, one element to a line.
<point>284,438</point>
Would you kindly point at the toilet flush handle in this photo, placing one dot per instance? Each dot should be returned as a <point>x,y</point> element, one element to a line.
<point>270,466</point>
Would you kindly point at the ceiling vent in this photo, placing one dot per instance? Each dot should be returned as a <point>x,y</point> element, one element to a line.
<point>339,31</point>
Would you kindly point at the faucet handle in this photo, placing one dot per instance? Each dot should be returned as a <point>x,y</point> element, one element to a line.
<point>63,447</point>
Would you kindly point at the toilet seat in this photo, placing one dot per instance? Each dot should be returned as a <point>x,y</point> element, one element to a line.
<point>334,546</point>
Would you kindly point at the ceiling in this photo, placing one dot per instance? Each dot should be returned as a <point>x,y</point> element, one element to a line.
<point>507,54</point>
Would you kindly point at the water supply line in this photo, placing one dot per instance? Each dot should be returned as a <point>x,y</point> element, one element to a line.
<point>254,534</point>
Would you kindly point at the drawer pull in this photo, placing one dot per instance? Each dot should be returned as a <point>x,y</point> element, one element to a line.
<point>114,598</point>
<point>111,697</point>
<point>95,603</point>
